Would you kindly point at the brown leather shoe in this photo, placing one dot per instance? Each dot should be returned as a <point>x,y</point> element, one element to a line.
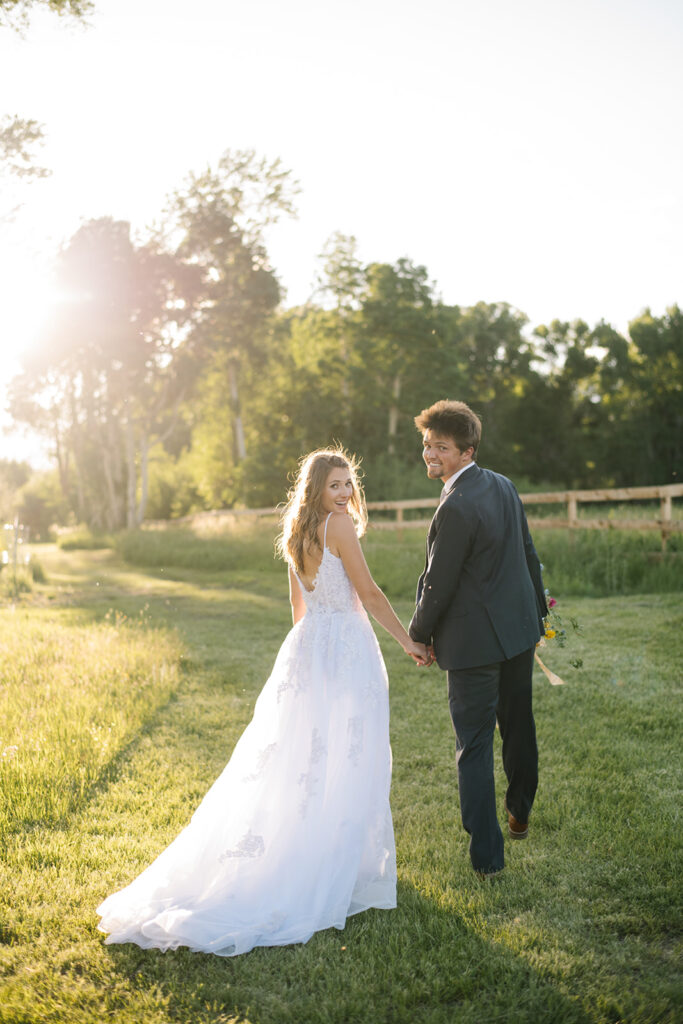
<point>516,829</point>
<point>487,876</point>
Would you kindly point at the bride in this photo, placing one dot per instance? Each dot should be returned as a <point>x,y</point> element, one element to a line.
<point>295,834</point>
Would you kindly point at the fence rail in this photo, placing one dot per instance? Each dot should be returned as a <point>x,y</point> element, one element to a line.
<point>665,524</point>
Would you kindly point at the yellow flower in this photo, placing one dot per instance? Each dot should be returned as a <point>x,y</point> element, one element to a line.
<point>550,633</point>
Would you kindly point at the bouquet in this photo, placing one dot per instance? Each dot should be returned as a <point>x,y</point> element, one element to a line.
<point>555,633</point>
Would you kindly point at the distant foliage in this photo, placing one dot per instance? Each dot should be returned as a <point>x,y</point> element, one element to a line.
<point>15,582</point>
<point>245,547</point>
<point>84,539</point>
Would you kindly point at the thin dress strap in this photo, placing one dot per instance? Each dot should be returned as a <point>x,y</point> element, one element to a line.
<point>325,532</point>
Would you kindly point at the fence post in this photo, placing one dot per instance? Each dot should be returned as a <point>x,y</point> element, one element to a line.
<point>399,522</point>
<point>572,512</point>
<point>665,516</point>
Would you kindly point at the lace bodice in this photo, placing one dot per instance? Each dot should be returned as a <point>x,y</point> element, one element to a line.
<point>332,589</point>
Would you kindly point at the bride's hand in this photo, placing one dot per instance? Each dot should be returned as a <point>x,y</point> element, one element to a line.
<point>418,652</point>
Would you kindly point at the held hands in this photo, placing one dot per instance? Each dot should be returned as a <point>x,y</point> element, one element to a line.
<point>422,655</point>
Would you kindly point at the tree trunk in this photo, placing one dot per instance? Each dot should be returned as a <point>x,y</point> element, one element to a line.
<point>62,456</point>
<point>131,479</point>
<point>110,454</point>
<point>82,512</point>
<point>111,516</point>
<point>144,478</point>
<point>345,384</point>
<point>393,414</point>
<point>238,428</point>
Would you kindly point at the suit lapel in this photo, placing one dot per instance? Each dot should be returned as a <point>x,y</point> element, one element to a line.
<point>464,481</point>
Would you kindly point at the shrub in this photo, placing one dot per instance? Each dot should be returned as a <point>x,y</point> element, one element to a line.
<point>83,538</point>
<point>37,571</point>
<point>248,546</point>
<point>14,582</point>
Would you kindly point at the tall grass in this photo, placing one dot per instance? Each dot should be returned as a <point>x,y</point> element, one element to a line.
<point>239,546</point>
<point>597,563</point>
<point>590,563</point>
<point>82,538</point>
<point>71,695</point>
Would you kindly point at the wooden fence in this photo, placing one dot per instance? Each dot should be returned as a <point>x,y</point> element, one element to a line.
<point>665,523</point>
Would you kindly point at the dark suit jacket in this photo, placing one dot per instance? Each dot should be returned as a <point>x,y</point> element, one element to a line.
<point>480,598</point>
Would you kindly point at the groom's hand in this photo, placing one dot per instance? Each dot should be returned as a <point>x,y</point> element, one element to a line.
<point>418,652</point>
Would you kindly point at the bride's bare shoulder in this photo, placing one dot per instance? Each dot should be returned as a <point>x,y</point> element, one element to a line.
<point>340,527</point>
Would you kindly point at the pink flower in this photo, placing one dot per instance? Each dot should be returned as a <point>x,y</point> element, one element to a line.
<point>552,602</point>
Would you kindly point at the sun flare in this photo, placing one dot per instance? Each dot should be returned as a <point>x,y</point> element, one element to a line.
<point>29,295</point>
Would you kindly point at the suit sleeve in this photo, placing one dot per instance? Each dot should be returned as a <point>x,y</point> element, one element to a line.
<point>534,565</point>
<point>449,549</point>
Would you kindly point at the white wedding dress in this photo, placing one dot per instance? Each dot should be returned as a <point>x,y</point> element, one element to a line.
<point>296,833</point>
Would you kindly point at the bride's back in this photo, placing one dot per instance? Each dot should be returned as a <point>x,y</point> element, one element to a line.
<point>313,554</point>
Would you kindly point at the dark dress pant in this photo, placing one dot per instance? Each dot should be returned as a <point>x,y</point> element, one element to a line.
<point>477,698</point>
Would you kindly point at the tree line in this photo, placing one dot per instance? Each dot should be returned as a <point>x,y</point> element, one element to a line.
<point>171,377</point>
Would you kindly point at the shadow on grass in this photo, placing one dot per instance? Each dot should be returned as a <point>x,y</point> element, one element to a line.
<point>420,963</point>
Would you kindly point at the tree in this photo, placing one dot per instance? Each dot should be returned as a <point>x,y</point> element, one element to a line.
<point>18,135</point>
<point>395,337</point>
<point>341,281</point>
<point>15,13</point>
<point>13,475</point>
<point>217,223</point>
<point>18,139</point>
<point>641,399</point>
<point>111,369</point>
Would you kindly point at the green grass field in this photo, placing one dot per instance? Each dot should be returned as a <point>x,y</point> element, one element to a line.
<point>123,688</point>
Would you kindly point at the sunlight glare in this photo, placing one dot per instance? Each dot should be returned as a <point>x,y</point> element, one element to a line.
<point>29,295</point>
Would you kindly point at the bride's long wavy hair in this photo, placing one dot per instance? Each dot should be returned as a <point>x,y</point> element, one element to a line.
<point>303,512</point>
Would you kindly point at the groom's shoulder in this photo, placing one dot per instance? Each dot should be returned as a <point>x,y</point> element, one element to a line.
<point>498,479</point>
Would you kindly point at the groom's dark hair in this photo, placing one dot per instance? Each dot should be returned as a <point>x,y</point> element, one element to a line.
<point>452,419</point>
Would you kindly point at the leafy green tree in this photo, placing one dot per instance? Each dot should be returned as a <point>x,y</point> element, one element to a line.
<point>641,398</point>
<point>486,362</point>
<point>216,223</point>
<point>13,475</point>
<point>561,405</point>
<point>392,353</point>
<point>341,282</point>
<point>40,505</point>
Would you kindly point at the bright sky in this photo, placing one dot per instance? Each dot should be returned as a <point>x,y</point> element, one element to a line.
<point>526,152</point>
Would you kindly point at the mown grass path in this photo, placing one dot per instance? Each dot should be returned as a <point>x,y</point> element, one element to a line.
<point>584,925</point>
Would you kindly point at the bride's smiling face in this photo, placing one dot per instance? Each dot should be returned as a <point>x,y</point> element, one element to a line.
<point>338,491</point>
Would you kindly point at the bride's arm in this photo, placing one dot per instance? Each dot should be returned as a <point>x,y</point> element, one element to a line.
<point>342,535</point>
<point>296,598</point>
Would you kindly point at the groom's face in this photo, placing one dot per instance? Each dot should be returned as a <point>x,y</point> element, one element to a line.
<point>442,456</point>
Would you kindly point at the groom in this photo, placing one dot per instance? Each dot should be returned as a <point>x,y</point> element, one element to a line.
<point>480,603</point>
